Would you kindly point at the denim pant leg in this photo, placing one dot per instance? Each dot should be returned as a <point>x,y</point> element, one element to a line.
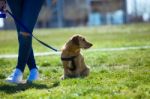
<point>28,17</point>
<point>31,61</point>
<point>31,9</point>
<point>16,9</point>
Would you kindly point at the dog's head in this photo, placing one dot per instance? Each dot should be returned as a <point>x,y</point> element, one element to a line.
<point>81,42</point>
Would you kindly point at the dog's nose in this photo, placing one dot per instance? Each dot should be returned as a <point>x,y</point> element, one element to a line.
<point>90,45</point>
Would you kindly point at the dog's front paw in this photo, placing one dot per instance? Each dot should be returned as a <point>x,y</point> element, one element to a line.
<point>85,72</point>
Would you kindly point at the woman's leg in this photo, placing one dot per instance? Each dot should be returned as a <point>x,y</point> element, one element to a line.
<point>16,7</point>
<point>31,61</point>
<point>27,11</point>
<point>31,9</point>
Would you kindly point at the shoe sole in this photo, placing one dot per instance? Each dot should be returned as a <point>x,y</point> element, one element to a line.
<point>21,82</point>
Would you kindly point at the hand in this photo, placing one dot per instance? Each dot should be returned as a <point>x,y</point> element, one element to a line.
<point>2,5</point>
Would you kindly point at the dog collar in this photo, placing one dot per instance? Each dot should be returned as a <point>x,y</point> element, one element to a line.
<point>72,62</point>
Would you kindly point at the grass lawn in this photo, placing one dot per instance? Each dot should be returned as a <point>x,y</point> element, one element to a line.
<point>114,74</point>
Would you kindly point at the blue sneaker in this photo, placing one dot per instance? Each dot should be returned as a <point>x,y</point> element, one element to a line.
<point>15,77</point>
<point>34,75</point>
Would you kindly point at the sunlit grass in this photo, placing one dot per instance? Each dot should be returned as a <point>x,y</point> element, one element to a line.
<point>114,74</point>
<point>106,36</point>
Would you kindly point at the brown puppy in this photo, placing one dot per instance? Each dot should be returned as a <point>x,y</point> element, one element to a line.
<point>73,61</point>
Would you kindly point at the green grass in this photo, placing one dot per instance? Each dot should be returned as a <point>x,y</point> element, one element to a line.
<point>114,74</point>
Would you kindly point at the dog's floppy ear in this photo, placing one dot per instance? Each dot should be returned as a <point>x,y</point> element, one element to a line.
<point>75,39</point>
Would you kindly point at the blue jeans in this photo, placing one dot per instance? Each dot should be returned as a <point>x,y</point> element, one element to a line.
<point>26,11</point>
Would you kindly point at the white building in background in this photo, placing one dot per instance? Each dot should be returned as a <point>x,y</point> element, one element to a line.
<point>1,22</point>
<point>139,8</point>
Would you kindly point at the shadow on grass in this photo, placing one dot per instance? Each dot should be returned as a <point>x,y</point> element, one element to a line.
<point>15,88</point>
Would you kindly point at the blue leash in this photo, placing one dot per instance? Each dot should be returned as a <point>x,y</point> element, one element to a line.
<point>23,26</point>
